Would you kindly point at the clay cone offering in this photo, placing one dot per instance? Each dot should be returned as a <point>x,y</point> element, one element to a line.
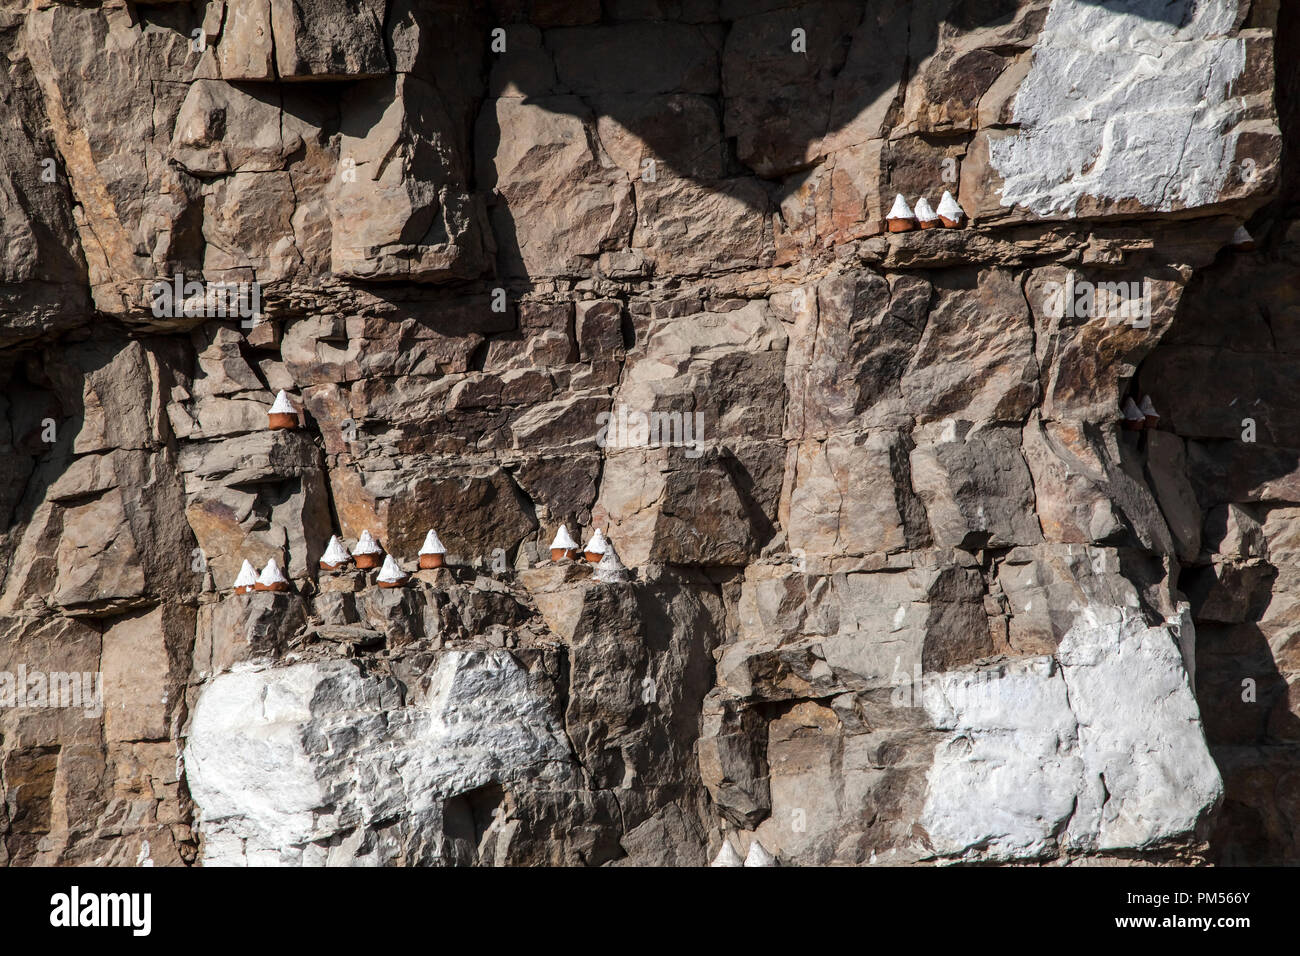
<point>1149,413</point>
<point>594,549</point>
<point>432,551</point>
<point>336,556</point>
<point>610,570</point>
<point>950,214</point>
<point>1133,417</point>
<point>367,553</point>
<point>926,217</point>
<point>758,856</point>
<point>563,546</point>
<point>727,856</point>
<point>901,218</point>
<point>390,575</point>
<point>271,578</point>
<point>283,414</point>
<point>246,579</point>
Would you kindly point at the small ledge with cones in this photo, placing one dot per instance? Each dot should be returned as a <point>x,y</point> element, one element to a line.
<point>347,571</point>
<point>758,855</point>
<point>905,218</point>
<point>271,578</point>
<point>1140,414</point>
<point>598,557</point>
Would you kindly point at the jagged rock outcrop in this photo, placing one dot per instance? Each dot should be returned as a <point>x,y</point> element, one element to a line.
<point>890,581</point>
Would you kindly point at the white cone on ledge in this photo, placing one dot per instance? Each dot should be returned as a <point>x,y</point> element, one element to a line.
<point>926,217</point>
<point>900,218</point>
<point>1133,417</point>
<point>282,413</point>
<point>610,570</point>
<point>246,580</point>
<point>727,856</point>
<point>950,212</point>
<point>758,856</point>
<point>594,549</point>
<point>432,551</point>
<point>563,546</point>
<point>271,578</point>
<point>391,575</point>
<point>1148,410</point>
<point>336,556</point>
<point>367,552</point>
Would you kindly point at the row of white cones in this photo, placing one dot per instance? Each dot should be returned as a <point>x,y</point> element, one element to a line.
<point>337,557</point>
<point>599,550</point>
<point>271,578</point>
<point>903,218</point>
<point>757,856</point>
<point>1138,416</point>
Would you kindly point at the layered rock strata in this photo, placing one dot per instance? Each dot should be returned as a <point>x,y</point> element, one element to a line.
<point>899,587</point>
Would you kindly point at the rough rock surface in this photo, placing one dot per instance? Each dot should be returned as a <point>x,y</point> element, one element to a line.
<point>899,588</point>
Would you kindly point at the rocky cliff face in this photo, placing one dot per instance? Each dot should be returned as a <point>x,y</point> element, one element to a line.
<point>901,589</point>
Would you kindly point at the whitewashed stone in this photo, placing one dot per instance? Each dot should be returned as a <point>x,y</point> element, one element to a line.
<point>1123,104</point>
<point>1100,748</point>
<point>303,764</point>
